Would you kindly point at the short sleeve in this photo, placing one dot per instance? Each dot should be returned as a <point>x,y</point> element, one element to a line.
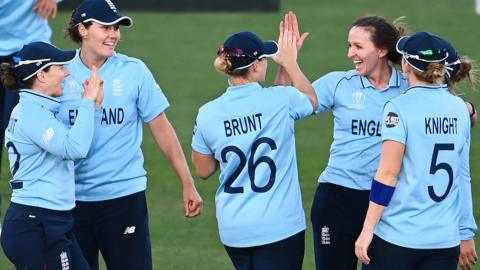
<point>151,100</point>
<point>393,126</point>
<point>198,141</point>
<point>299,104</point>
<point>325,92</point>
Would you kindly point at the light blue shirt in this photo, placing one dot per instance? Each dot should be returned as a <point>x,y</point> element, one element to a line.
<point>434,126</point>
<point>114,165</point>
<point>40,149</point>
<point>250,131</point>
<point>357,110</point>
<point>20,25</point>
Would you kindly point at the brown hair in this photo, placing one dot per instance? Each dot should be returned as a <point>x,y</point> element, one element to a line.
<point>224,65</point>
<point>72,29</point>
<point>465,70</point>
<point>384,34</point>
<point>10,80</point>
<point>434,73</point>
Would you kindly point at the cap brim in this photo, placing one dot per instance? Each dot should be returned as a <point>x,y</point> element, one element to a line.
<point>61,58</point>
<point>270,48</point>
<point>401,44</point>
<point>64,57</point>
<point>111,20</point>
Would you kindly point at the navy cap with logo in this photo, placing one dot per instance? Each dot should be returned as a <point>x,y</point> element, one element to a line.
<point>421,49</point>
<point>36,56</point>
<point>100,11</point>
<point>244,48</point>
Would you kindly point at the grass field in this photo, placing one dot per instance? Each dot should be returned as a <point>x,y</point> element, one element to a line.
<point>179,49</point>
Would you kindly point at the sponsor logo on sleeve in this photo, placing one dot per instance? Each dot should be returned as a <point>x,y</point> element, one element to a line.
<point>391,119</point>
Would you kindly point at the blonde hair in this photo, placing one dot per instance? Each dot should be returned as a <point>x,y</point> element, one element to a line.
<point>434,73</point>
<point>223,65</point>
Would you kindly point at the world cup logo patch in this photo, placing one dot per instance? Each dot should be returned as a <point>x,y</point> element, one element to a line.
<point>391,119</point>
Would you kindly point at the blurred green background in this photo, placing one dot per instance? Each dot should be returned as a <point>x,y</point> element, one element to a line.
<point>179,48</point>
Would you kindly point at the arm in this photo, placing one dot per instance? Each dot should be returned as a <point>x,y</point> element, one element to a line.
<point>467,226</point>
<point>387,173</point>
<point>167,140</point>
<point>291,24</point>
<point>205,165</point>
<point>472,112</point>
<point>46,8</point>
<point>287,58</point>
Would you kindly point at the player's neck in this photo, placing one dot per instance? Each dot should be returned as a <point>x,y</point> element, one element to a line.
<point>90,60</point>
<point>236,81</point>
<point>380,77</point>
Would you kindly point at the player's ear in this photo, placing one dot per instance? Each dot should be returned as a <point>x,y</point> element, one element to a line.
<point>382,52</point>
<point>82,30</point>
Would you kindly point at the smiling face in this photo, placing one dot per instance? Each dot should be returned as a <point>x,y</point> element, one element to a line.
<point>366,57</point>
<point>53,80</point>
<point>99,41</point>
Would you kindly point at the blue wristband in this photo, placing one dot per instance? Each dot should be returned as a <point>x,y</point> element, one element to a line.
<point>380,193</point>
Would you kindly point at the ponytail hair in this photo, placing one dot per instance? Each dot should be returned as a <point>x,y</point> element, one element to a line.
<point>434,73</point>
<point>223,65</point>
<point>9,79</point>
<point>465,71</point>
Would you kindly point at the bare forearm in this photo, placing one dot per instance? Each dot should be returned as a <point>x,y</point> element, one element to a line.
<point>301,82</point>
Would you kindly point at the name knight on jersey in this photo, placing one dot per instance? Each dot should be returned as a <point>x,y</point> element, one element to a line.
<point>243,125</point>
<point>440,125</point>
<point>110,116</point>
<point>366,127</point>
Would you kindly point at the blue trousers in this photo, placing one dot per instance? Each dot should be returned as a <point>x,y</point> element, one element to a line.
<point>36,238</point>
<point>118,228</point>
<point>286,254</point>
<point>384,255</point>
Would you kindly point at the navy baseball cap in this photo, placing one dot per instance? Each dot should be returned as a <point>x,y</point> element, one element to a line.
<point>36,56</point>
<point>453,59</point>
<point>421,49</point>
<point>100,11</point>
<point>244,48</point>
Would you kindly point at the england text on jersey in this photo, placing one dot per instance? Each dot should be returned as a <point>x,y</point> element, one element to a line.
<point>366,127</point>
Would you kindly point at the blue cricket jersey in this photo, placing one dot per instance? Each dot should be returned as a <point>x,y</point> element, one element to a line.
<point>434,126</point>
<point>250,131</point>
<point>20,25</point>
<point>114,165</point>
<point>357,108</point>
<point>40,149</point>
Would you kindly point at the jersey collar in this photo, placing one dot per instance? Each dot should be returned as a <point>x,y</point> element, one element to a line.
<point>48,102</point>
<point>393,82</point>
<point>252,86</point>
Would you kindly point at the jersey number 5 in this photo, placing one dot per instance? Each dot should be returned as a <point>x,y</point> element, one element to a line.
<point>434,167</point>
<point>251,166</point>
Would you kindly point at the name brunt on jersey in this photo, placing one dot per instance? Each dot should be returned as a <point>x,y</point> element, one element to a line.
<point>242,125</point>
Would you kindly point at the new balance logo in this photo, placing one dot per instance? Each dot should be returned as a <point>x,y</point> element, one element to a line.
<point>129,230</point>
<point>325,235</point>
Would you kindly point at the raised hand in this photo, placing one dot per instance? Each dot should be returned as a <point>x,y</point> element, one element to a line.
<point>291,23</point>
<point>93,87</point>
<point>287,47</point>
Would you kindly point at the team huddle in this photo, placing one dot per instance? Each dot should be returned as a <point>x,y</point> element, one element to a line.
<point>396,193</point>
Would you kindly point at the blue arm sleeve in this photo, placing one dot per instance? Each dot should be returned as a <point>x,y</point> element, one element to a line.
<point>53,136</point>
<point>198,141</point>
<point>151,100</point>
<point>324,89</point>
<point>468,226</point>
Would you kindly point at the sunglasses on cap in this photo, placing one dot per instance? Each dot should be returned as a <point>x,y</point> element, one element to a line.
<point>428,55</point>
<point>230,52</point>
